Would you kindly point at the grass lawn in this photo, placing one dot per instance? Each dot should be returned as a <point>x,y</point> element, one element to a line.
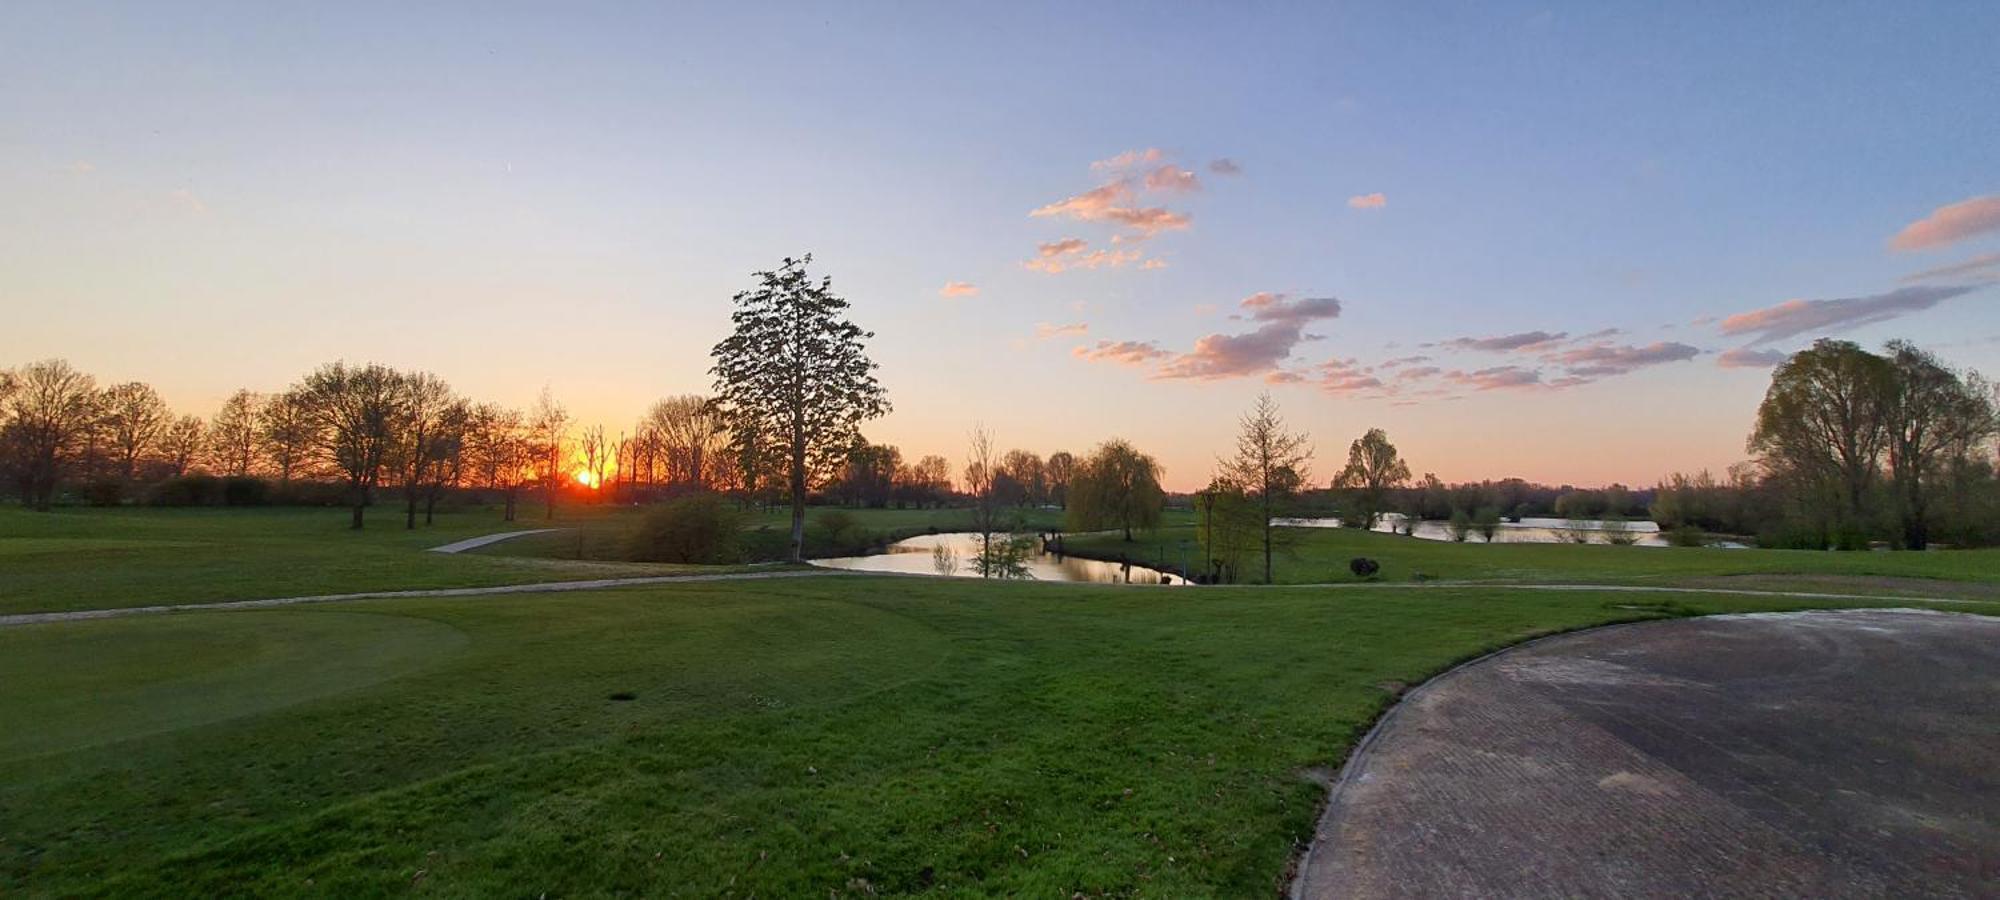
<point>841,736</point>
<point>1320,555</point>
<point>93,558</point>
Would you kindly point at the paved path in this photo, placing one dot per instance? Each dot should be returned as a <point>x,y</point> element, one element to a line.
<point>1838,753</point>
<point>536,588</point>
<point>484,539</point>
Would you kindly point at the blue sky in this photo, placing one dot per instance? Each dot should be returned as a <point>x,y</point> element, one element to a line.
<point>513,197</point>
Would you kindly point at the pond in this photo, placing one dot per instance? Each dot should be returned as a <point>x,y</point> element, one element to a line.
<point>919,555</point>
<point>1529,530</point>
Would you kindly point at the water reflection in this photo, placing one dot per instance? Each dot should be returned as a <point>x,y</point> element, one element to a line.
<point>953,553</point>
<point>1530,530</point>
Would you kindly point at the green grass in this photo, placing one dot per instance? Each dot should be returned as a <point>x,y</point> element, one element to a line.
<point>1320,555</point>
<point>838,736</point>
<point>91,558</point>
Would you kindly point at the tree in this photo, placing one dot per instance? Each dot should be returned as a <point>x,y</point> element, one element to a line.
<point>135,421</point>
<point>795,372</point>
<point>1822,427</point>
<point>289,433</point>
<point>1374,468</point>
<point>430,411</point>
<point>496,446</point>
<point>357,412</point>
<point>1934,415</point>
<point>551,437</point>
<point>1058,470</point>
<point>233,433</point>
<point>1270,465</point>
<point>49,409</point>
<point>869,477</point>
<point>181,444</point>
<point>1029,476</point>
<point>989,518</point>
<point>1229,528</point>
<point>1116,487</point>
<point>691,433</point>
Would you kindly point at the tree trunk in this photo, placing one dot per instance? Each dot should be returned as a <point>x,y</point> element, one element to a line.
<point>798,500</point>
<point>360,501</point>
<point>509,515</point>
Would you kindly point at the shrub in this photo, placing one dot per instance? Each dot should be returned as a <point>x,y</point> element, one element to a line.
<point>242,490</point>
<point>1363,567</point>
<point>1460,526</point>
<point>186,490</point>
<point>700,529</point>
<point>1487,522</point>
<point>1688,536</point>
<point>104,492</point>
<point>835,526</point>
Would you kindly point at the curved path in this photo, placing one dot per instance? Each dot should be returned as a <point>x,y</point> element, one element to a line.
<point>475,543</point>
<point>1837,753</point>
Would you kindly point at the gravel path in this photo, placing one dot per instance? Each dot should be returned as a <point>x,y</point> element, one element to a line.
<point>1822,754</point>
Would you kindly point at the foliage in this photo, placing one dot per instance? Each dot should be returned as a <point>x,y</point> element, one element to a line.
<point>1116,487</point>
<point>1486,521</point>
<point>1373,469</point>
<point>794,376</point>
<point>1005,556</point>
<point>699,529</point>
<point>1460,526</point>
<point>1363,567</point>
<point>1687,536</point>
<point>1231,529</point>
<point>1270,466</point>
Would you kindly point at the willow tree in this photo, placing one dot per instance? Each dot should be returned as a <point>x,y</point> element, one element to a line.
<point>1373,469</point>
<point>1269,466</point>
<point>794,376</point>
<point>1116,487</point>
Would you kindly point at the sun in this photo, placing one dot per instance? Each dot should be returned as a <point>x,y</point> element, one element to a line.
<point>586,478</point>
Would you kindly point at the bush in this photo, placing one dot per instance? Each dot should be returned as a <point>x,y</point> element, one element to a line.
<point>1363,567</point>
<point>1688,536</point>
<point>701,529</point>
<point>242,490</point>
<point>186,490</point>
<point>834,526</point>
<point>104,492</point>
<point>1460,526</point>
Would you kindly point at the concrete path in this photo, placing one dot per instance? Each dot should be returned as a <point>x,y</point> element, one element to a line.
<point>1823,754</point>
<point>484,539</point>
<point>544,587</point>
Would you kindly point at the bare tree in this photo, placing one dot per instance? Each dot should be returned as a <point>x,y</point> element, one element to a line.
<point>1061,466</point>
<point>181,444</point>
<point>48,412</point>
<point>691,432</point>
<point>446,465</point>
<point>357,414</point>
<point>1269,466</point>
<point>497,450</point>
<point>288,431</point>
<point>135,421</point>
<point>233,433</point>
<point>427,402</point>
<point>1029,473</point>
<point>596,453</point>
<point>550,424</point>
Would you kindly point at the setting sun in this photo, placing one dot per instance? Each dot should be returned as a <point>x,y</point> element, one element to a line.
<point>586,478</point>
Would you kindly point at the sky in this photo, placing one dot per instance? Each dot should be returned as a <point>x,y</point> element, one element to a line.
<point>1563,242</point>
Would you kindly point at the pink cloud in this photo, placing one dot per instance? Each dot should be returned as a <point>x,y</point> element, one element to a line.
<point>1985,266</point>
<point>1525,341</point>
<point>1128,353</point>
<point>1153,264</point>
<point>959,289</point>
<point>1044,330</point>
<point>1746,358</point>
<point>1796,317</point>
<point>1604,359</point>
<point>1129,159</point>
<point>1950,224</point>
<point>1497,378</point>
<point>1218,356</point>
<point>1368,201</point>
<point>1060,248</point>
<point>1172,178</point>
<point>1095,259</point>
<point>1090,205</point>
<point>1148,221</point>
<point>1419,372</point>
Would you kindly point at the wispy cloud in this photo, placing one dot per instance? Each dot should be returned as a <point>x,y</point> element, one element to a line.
<point>1983,267</point>
<point>1172,179</point>
<point>1950,224</point>
<point>1129,353</point>
<point>1153,264</point>
<point>1061,247</point>
<point>1603,360</point>
<point>959,289</point>
<point>1496,378</point>
<point>1044,330</point>
<point>1796,317</point>
<point>1089,205</point>
<point>1225,166</point>
<point>1525,341</point>
<point>1128,159</point>
<point>1368,201</point>
<point>1073,259</point>
<point>1747,358</point>
<point>1257,352</point>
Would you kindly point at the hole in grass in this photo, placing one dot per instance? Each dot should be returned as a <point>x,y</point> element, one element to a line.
<point>623,696</point>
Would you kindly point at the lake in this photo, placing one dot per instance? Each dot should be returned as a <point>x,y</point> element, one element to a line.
<point>918,556</point>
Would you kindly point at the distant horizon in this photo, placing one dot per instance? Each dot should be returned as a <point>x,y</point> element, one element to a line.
<point>1556,243</point>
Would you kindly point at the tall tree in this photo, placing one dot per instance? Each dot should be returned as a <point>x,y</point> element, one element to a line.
<point>1116,487</point>
<point>1269,466</point>
<point>1374,469</point>
<point>233,433</point>
<point>135,420</point>
<point>181,444</point>
<point>1030,475</point>
<point>357,414</point>
<point>289,432</point>
<point>497,450</point>
<point>596,459</point>
<point>48,413</point>
<point>428,407</point>
<point>691,433</point>
<point>1934,415</point>
<point>551,434</point>
<point>795,371</point>
<point>1061,466</point>
<point>1824,424</point>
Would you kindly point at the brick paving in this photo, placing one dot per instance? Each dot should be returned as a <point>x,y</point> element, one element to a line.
<point>1823,754</point>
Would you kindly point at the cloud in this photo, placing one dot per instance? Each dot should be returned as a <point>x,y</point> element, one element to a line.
<point>1368,201</point>
<point>1950,224</point>
<point>1128,159</point>
<point>1985,266</point>
<point>1172,178</point>
<point>1148,221</point>
<point>1257,352</point>
<point>1528,341</point>
<point>959,289</point>
<point>1404,361</point>
<point>1795,317</point>
<point>1746,358</point>
<point>1604,359</point>
<point>1340,376</point>
<point>1418,372</point>
<point>1095,259</point>
<point>1128,353</point>
<point>1044,330</point>
<point>1089,205</point>
<point>1224,166</point>
<point>1497,378</point>
<point>1153,264</point>
<point>1060,248</point>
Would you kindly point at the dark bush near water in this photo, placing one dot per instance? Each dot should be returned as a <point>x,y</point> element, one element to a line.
<point>702,529</point>
<point>1363,567</point>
